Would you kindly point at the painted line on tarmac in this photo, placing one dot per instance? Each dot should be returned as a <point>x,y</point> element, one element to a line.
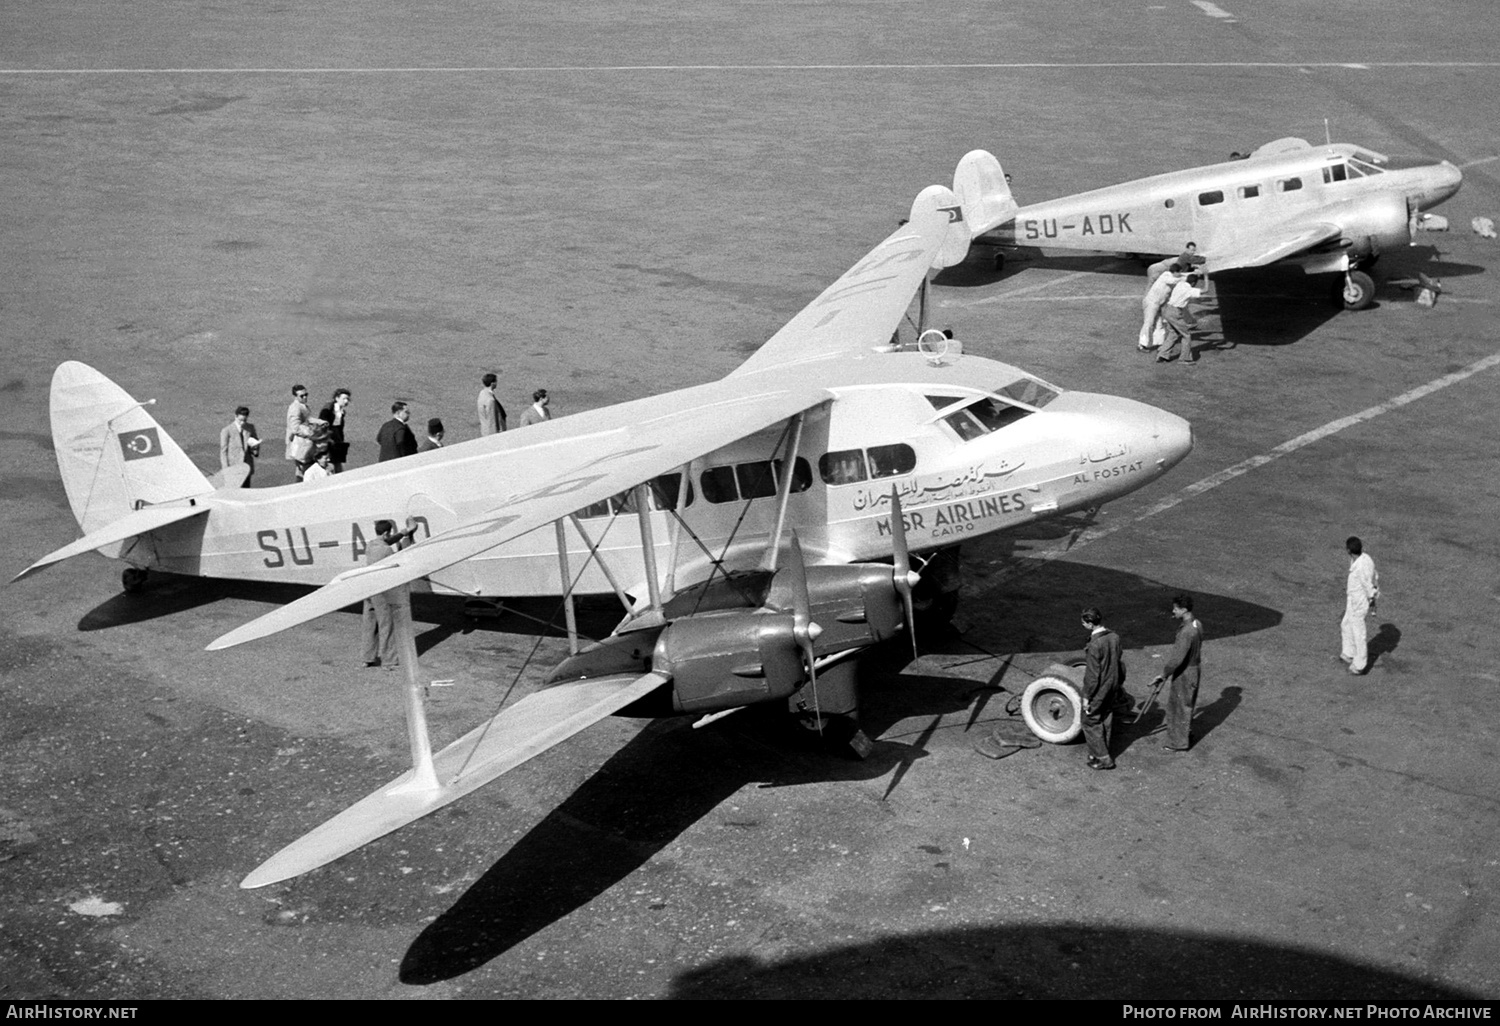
<point>1213,10</point>
<point>1228,474</point>
<point>520,69</point>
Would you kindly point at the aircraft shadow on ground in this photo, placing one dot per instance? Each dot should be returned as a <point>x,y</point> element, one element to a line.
<point>616,821</point>
<point>1061,960</point>
<point>979,268</point>
<point>620,817</point>
<point>169,594</point>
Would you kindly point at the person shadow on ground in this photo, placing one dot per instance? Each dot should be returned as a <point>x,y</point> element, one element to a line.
<point>1385,640</point>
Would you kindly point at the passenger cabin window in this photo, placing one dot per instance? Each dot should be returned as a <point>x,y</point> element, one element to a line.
<point>1249,191</point>
<point>1289,185</point>
<point>1208,199</point>
<point>1169,204</point>
<point>891,460</point>
<point>847,466</point>
<point>755,480</point>
<point>664,491</point>
<point>1335,173</point>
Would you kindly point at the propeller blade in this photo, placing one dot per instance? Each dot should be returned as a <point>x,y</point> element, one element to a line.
<point>903,577</point>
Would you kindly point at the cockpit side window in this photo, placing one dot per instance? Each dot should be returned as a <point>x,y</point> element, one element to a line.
<point>1029,391</point>
<point>1361,168</point>
<point>941,401</point>
<point>966,425</point>
<point>1335,173</point>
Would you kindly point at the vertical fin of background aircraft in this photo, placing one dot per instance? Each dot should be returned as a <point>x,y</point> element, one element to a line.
<point>112,455</point>
<point>983,191</point>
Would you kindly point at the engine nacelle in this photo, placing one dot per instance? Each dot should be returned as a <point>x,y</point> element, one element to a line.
<point>729,659</point>
<point>855,604</point>
<point>1374,224</point>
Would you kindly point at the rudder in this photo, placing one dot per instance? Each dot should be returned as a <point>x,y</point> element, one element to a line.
<point>113,456</point>
<point>983,191</point>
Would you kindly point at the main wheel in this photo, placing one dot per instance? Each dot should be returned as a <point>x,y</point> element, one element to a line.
<point>1358,291</point>
<point>1053,709</point>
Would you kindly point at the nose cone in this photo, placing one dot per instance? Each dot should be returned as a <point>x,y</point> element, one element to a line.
<point>1439,182</point>
<point>1125,431</point>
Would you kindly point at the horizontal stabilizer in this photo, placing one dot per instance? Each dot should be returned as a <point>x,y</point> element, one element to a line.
<point>521,731</point>
<point>128,526</point>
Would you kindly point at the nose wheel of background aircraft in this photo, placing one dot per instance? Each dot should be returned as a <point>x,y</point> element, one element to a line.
<point>1358,290</point>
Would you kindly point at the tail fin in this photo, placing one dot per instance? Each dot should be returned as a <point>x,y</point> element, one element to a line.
<point>983,191</point>
<point>113,456</point>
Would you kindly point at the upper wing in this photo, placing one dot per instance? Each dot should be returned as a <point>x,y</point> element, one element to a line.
<point>1256,249</point>
<point>629,444</point>
<point>864,308</point>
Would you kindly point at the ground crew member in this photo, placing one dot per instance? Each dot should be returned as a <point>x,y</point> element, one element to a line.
<point>387,614</point>
<point>1362,590</point>
<point>1179,319</point>
<point>1101,678</point>
<point>1181,673</point>
<point>1151,305</point>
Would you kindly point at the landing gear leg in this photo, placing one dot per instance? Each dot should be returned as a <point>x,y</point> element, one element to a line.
<point>831,708</point>
<point>1358,290</point>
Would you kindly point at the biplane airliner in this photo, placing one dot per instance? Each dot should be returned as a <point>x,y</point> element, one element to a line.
<point>1332,208</point>
<point>761,530</point>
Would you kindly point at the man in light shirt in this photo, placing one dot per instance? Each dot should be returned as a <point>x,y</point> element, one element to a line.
<point>1151,305</point>
<point>1179,320</point>
<point>1361,592</point>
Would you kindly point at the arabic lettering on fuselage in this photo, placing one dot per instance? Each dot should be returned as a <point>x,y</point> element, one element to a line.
<point>973,480</point>
<point>1092,224</point>
<point>1109,453</point>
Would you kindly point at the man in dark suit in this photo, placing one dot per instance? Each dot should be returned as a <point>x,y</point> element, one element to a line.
<point>238,443</point>
<point>395,438</point>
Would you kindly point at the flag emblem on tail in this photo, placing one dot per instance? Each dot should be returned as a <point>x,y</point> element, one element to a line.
<point>140,445</point>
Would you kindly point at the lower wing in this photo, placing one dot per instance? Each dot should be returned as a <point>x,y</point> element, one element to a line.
<point>1267,247</point>
<point>519,732</point>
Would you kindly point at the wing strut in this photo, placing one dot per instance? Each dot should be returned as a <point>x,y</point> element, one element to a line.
<point>603,565</point>
<point>567,585</point>
<point>423,775</point>
<point>648,546</point>
<point>788,476</point>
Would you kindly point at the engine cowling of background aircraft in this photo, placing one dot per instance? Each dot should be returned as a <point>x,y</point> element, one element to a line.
<point>1375,225</point>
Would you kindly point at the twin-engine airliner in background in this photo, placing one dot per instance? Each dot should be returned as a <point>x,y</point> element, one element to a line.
<point>1332,208</point>
<point>760,530</point>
